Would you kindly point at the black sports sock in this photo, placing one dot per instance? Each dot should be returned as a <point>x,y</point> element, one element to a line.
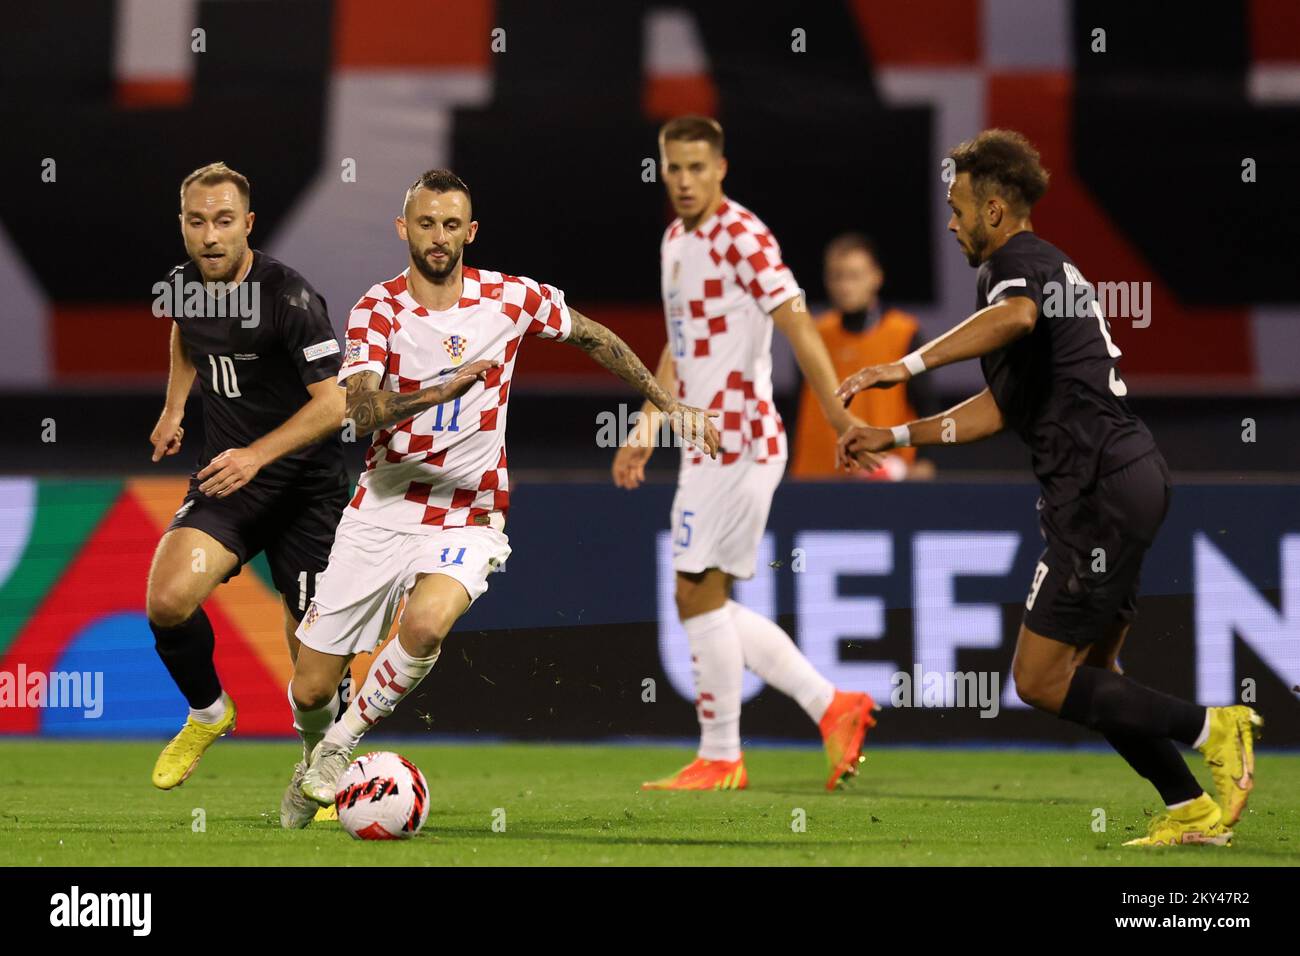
<point>1109,702</point>
<point>186,649</point>
<point>1157,759</point>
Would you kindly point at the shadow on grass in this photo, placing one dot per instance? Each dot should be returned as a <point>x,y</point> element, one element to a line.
<point>859,792</point>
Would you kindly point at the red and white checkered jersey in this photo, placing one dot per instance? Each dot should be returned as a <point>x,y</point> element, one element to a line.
<point>720,282</point>
<point>446,467</point>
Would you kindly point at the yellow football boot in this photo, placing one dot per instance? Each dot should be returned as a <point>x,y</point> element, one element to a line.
<point>1229,752</point>
<point>1200,821</point>
<point>179,758</point>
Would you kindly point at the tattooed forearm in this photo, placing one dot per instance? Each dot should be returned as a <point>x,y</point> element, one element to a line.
<point>614,354</point>
<point>373,408</point>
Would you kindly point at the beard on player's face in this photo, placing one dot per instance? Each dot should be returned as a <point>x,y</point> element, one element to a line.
<point>976,243</point>
<point>434,269</point>
<point>219,262</point>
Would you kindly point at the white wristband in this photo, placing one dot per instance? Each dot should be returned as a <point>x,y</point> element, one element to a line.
<point>913,362</point>
<point>902,436</point>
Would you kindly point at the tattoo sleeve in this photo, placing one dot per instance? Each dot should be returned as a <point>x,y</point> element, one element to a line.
<point>614,354</point>
<point>373,408</point>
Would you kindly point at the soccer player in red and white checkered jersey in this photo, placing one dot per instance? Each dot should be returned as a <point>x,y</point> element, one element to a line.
<point>724,287</point>
<point>427,367</point>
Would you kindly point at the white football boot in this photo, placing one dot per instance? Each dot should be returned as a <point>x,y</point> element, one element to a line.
<point>320,781</point>
<point>296,810</point>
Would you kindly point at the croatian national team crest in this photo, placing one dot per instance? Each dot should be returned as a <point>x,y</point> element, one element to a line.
<point>455,346</point>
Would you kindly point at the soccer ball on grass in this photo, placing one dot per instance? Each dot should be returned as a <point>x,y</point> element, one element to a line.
<point>382,796</point>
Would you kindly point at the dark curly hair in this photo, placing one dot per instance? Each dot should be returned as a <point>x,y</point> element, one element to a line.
<point>1004,160</point>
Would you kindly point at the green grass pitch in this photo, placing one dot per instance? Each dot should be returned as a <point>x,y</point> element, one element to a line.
<point>91,804</point>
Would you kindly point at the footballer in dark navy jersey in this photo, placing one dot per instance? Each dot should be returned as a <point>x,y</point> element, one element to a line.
<point>254,361</point>
<point>270,477</point>
<point>1058,387</point>
<point>1050,365</point>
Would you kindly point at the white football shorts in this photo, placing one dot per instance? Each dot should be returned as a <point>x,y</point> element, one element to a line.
<point>370,570</point>
<point>720,513</point>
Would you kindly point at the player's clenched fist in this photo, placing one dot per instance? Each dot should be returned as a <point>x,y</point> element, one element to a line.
<point>694,425</point>
<point>873,376</point>
<point>167,435</point>
<point>859,447</point>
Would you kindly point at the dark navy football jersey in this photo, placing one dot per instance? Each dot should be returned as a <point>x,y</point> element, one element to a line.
<point>1058,388</point>
<point>255,352</point>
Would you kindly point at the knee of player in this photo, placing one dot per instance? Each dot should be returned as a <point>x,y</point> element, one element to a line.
<point>1033,686</point>
<point>312,692</point>
<point>683,601</point>
<point>424,633</point>
<point>169,607</point>
<point>689,607</point>
<point>689,598</point>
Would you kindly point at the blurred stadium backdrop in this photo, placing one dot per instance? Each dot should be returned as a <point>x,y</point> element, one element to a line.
<point>1145,156</point>
<point>582,616</point>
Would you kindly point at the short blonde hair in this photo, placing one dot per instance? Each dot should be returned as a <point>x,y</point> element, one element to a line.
<point>212,174</point>
<point>692,129</point>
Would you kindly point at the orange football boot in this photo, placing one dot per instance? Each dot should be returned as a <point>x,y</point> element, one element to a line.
<point>701,774</point>
<point>843,727</point>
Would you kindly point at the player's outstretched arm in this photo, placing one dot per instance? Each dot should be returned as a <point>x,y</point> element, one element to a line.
<point>630,459</point>
<point>975,418</point>
<point>986,331</point>
<point>168,433</point>
<point>792,319</point>
<point>613,353</point>
<point>371,408</point>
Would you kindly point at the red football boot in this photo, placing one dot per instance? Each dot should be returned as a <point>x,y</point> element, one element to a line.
<point>844,726</point>
<point>701,774</point>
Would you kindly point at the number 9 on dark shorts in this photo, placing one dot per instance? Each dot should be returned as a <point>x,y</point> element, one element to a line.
<point>1087,578</point>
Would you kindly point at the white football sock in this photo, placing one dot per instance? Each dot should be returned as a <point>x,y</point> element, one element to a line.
<point>212,713</point>
<point>312,724</point>
<point>393,674</point>
<point>773,656</point>
<point>719,666</point>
